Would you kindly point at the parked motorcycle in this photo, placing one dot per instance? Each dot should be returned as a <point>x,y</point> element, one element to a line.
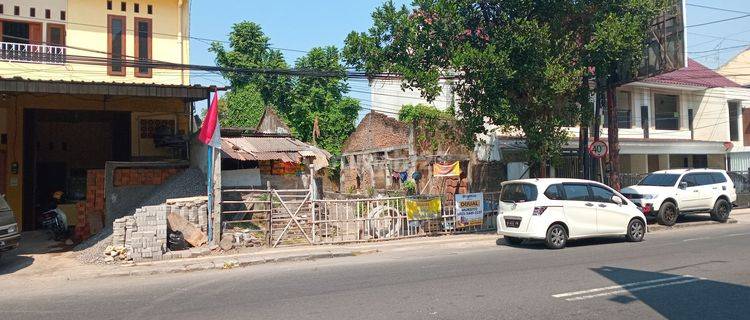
<point>54,220</point>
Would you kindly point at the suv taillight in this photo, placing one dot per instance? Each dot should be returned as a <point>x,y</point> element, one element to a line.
<point>539,210</point>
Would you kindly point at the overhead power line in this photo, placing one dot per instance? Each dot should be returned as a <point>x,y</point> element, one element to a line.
<point>718,21</point>
<point>202,39</point>
<point>716,8</point>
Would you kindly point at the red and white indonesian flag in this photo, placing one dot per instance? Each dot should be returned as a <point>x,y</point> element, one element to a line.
<point>210,129</point>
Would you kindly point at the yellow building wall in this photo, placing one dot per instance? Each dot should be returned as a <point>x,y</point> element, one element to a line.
<point>86,35</point>
<point>736,69</point>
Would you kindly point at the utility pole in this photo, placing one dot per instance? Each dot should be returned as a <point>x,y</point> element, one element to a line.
<point>613,138</point>
<point>599,103</point>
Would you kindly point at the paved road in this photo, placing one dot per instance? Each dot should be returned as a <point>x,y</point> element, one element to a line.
<point>697,273</point>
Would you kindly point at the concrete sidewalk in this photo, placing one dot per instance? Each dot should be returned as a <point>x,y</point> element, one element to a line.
<point>67,267</point>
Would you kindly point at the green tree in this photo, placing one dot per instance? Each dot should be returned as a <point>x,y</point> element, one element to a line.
<point>249,48</point>
<point>520,65</point>
<point>322,98</point>
<point>241,107</point>
<point>614,47</point>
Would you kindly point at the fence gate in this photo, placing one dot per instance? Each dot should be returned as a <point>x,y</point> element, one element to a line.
<point>290,220</point>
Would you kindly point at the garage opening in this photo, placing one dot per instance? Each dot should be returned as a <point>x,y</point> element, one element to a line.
<point>60,146</point>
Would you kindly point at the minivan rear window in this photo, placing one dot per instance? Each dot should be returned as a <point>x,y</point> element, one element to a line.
<point>718,177</point>
<point>518,192</point>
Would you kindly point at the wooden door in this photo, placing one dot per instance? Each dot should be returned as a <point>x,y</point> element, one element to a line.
<point>35,33</point>
<point>653,162</point>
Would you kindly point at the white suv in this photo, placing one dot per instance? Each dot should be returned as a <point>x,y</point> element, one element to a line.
<point>555,210</point>
<point>667,194</point>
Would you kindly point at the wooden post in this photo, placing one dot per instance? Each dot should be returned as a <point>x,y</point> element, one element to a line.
<point>313,196</point>
<point>216,236</point>
<point>270,212</point>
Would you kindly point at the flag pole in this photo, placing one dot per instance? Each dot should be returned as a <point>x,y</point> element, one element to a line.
<point>210,135</point>
<point>209,191</point>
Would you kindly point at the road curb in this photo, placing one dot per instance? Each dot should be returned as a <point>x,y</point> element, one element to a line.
<point>224,264</point>
<point>656,227</point>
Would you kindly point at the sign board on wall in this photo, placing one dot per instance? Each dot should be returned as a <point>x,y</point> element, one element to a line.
<point>423,208</point>
<point>469,210</point>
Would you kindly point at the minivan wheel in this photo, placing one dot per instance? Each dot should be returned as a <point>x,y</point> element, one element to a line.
<point>512,240</point>
<point>721,210</point>
<point>557,237</point>
<point>636,230</point>
<point>667,214</point>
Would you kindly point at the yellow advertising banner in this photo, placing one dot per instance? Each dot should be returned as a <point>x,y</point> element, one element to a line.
<point>446,170</point>
<point>423,209</point>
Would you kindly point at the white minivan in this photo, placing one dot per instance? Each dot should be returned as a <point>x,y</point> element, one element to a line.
<point>555,210</point>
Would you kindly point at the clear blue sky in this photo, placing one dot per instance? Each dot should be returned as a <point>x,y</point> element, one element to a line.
<point>303,24</point>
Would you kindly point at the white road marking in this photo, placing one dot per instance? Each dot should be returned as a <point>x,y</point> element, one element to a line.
<point>622,286</point>
<point>735,235</point>
<point>695,239</point>
<point>718,237</point>
<point>634,289</point>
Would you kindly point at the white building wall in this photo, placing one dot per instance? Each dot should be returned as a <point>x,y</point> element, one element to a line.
<point>387,96</point>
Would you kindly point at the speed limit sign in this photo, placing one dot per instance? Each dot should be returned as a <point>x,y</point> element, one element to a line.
<point>598,149</point>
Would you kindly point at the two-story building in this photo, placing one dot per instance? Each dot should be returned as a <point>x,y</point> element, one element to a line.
<point>691,117</point>
<point>736,70</point>
<point>82,83</point>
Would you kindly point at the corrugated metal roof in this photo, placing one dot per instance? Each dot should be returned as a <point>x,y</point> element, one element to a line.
<point>19,84</point>
<point>272,148</point>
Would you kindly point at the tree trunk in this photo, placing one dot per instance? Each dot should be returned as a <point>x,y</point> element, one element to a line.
<point>583,143</point>
<point>613,137</point>
<point>542,169</point>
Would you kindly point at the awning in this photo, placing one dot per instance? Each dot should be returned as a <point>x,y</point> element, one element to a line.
<point>21,85</point>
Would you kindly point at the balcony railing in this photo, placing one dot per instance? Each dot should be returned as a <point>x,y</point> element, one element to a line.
<point>34,53</point>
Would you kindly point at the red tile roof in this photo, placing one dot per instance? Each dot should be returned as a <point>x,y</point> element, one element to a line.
<point>695,75</point>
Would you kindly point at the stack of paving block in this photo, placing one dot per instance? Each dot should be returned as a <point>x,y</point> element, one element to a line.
<point>149,242</point>
<point>122,231</point>
<point>193,209</point>
<point>144,234</point>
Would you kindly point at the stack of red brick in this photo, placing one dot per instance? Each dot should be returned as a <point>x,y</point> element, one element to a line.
<point>136,177</point>
<point>91,211</point>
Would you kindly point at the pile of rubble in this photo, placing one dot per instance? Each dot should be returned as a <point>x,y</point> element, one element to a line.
<point>113,253</point>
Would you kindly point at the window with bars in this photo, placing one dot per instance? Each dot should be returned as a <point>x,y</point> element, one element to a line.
<point>116,38</point>
<point>143,46</point>
<point>666,112</point>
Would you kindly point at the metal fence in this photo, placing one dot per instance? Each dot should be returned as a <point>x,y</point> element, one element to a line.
<point>289,217</point>
<point>378,219</point>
